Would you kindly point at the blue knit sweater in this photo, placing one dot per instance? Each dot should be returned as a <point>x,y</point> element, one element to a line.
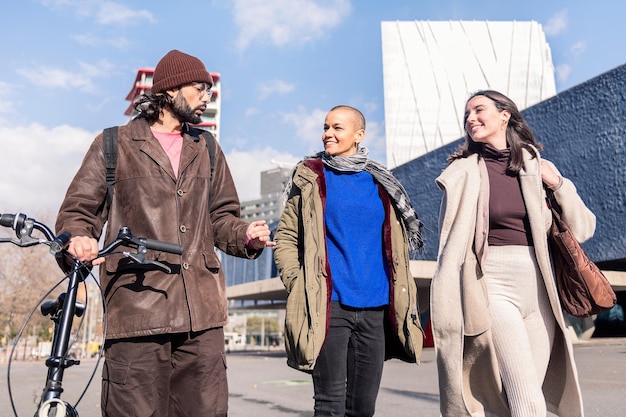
<point>354,218</point>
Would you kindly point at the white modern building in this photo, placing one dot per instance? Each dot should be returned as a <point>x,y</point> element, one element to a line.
<point>431,68</point>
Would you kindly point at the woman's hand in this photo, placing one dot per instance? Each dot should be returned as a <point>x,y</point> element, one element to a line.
<point>549,176</point>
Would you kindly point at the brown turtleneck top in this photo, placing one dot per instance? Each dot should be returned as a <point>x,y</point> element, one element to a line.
<point>508,220</point>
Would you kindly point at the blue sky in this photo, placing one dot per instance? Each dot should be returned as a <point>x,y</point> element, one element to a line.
<point>67,66</point>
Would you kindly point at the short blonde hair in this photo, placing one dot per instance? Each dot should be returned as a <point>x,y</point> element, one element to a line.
<point>360,119</point>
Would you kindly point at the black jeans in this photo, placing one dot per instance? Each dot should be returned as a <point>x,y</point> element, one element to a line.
<point>347,374</point>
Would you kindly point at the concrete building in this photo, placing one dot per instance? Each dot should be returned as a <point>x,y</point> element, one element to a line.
<point>268,206</point>
<point>430,68</point>
<point>210,118</point>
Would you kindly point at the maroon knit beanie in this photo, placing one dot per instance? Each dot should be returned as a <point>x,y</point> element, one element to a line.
<point>176,69</point>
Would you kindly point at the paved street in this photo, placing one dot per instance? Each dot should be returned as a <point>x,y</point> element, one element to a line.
<point>261,385</point>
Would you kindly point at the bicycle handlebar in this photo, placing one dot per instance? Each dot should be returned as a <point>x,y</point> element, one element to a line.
<point>7,220</point>
<point>162,246</point>
<point>63,311</point>
<point>23,227</point>
<point>124,237</point>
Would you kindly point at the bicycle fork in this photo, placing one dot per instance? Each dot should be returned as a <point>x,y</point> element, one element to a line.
<point>62,311</point>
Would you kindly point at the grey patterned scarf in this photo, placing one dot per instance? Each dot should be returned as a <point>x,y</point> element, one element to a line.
<point>360,162</point>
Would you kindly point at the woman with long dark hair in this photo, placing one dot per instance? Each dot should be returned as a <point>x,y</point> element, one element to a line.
<point>500,335</point>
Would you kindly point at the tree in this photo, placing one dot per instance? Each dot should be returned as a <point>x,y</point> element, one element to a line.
<point>256,325</point>
<point>25,277</point>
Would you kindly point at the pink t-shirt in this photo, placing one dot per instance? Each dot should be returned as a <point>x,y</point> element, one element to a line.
<point>172,144</point>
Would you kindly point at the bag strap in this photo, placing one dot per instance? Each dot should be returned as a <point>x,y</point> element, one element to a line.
<point>209,139</point>
<point>110,159</point>
<point>211,148</point>
<point>552,203</point>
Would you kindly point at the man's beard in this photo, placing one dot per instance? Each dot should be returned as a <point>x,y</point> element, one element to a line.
<point>182,110</point>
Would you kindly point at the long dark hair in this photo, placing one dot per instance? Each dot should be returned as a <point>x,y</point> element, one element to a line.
<point>518,133</point>
<point>150,106</point>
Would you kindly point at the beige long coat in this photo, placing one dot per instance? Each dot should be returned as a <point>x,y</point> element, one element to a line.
<point>469,381</point>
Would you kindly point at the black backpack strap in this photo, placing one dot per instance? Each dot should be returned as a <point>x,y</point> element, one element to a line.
<point>211,147</point>
<point>109,137</point>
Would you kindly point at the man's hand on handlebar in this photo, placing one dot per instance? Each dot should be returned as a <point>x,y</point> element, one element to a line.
<point>85,249</point>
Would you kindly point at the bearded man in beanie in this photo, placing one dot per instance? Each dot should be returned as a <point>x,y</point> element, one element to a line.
<point>164,348</point>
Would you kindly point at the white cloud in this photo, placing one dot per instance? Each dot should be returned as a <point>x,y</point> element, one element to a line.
<point>105,13</point>
<point>58,3</point>
<point>557,24</point>
<point>375,142</point>
<point>246,169</point>
<point>35,174</point>
<point>309,125</point>
<point>269,88</point>
<point>368,107</point>
<point>60,78</point>
<point>101,69</point>
<point>287,22</point>
<point>116,13</point>
<point>562,72</point>
<point>578,48</point>
<point>6,105</point>
<point>91,40</point>
<point>251,111</point>
<point>57,78</point>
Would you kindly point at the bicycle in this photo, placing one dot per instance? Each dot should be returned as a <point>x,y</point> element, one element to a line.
<point>63,310</point>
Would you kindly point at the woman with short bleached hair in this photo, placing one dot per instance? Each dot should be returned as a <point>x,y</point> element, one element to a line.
<point>342,251</point>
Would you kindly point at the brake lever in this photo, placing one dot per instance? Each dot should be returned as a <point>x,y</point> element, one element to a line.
<point>159,265</point>
<point>140,258</point>
<point>23,234</point>
<point>24,241</point>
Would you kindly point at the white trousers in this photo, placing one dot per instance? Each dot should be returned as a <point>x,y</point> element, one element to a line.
<point>523,326</point>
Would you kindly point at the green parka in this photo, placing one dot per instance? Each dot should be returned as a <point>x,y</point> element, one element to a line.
<point>300,256</point>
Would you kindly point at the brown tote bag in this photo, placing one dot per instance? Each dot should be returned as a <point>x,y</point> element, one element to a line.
<point>583,288</point>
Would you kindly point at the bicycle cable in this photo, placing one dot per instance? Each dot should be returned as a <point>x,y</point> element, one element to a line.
<point>47,405</point>
<point>104,332</point>
<point>18,336</point>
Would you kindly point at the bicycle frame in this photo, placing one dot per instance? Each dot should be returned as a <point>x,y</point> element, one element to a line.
<point>63,310</point>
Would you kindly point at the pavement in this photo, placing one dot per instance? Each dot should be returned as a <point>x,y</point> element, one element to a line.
<point>262,385</point>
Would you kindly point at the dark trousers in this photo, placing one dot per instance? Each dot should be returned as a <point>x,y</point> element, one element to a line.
<point>170,375</point>
<point>347,374</point>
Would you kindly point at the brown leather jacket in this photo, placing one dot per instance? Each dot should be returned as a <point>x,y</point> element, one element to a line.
<point>154,203</point>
